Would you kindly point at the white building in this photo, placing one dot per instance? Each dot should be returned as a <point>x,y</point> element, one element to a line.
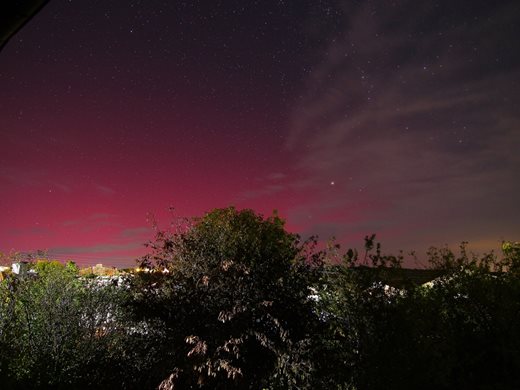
<point>20,268</point>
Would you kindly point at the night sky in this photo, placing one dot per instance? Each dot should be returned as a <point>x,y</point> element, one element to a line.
<point>399,118</point>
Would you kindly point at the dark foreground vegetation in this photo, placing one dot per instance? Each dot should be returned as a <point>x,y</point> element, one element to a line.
<point>246,305</point>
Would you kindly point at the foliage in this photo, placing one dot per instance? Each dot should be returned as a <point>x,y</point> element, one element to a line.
<point>236,300</point>
<point>511,252</point>
<point>44,267</point>
<point>461,331</point>
<point>63,332</point>
<point>9,258</point>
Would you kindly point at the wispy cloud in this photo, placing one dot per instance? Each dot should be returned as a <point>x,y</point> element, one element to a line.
<point>30,231</point>
<point>265,190</point>
<point>104,190</point>
<point>276,176</point>
<point>419,137</point>
<point>136,232</point>
<point>93,221</point>
<point>33,178</point>
<point>100,248</point>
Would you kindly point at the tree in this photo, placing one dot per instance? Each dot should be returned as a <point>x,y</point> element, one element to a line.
<point>235,301</point>
<point>511,252</point>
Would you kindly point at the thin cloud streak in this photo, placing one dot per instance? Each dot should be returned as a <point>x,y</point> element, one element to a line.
<point>109,249</point>
<point>424,150</point>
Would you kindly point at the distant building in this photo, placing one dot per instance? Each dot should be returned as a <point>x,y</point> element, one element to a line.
<point>99,270</point>
<point>20,268</point>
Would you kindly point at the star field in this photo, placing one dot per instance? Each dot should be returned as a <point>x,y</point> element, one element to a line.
<point>349,117</point>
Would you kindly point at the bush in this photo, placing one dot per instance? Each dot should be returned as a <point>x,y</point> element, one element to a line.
<point>65,332</point>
